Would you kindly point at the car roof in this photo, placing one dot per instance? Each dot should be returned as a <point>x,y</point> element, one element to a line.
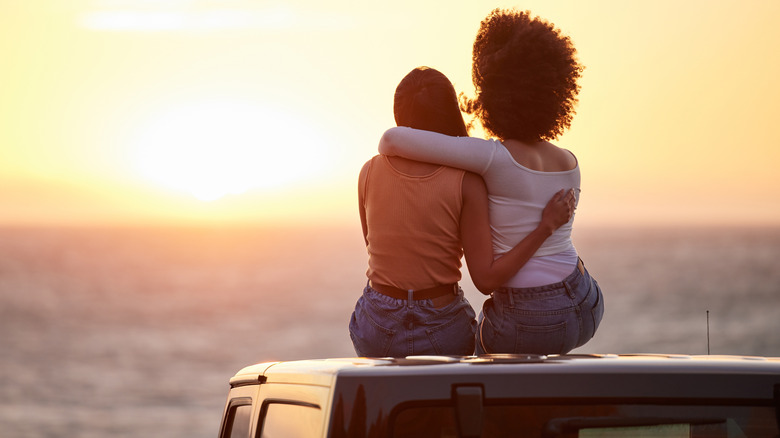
<point>539,376</point>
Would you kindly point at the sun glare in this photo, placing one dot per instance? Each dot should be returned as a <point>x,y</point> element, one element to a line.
<point>212,150</point>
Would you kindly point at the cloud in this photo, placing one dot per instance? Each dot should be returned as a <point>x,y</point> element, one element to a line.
<point>199,16</point>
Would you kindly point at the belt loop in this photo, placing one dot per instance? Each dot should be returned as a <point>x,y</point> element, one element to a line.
<point>568,290</point>
<point>411,298</point>
<point>510,294</point>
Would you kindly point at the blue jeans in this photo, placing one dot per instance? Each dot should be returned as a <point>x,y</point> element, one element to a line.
<point>551,319</point>
<point>382,326</point>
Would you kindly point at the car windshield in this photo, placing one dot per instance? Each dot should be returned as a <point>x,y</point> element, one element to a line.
<point>540,419</point>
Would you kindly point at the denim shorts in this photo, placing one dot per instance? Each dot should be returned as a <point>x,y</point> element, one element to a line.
<point>382,326</point>
<point>550,319</point>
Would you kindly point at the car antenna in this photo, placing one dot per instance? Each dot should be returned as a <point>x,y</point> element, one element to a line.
<point>708,333</point>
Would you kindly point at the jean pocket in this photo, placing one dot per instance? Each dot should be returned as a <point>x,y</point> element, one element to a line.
<point>454,337</point>
<point>487,337</point>
<point>591,310</point>
<point>369,338</point>
<point>541,339</point>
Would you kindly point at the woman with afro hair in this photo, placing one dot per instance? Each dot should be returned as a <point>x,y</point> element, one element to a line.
<point>526,77</point>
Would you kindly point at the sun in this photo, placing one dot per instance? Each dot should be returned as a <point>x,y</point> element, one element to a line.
<point>214,149</point>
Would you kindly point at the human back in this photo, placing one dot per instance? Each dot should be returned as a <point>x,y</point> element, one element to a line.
<point>517,195</point>
<point>540,156</point>
<point>413,224</point>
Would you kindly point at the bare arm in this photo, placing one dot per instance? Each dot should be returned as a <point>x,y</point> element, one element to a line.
<point>468,153</point>
<point>486,273</point>
<point>361,199</point>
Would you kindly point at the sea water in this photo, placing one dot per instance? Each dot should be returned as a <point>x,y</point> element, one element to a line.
<point>135,332</point>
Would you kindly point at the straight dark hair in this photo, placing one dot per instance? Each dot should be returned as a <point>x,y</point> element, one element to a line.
<point>425,99</point>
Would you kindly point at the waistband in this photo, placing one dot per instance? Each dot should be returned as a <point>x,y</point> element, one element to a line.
<point>420,294</point>
<point>566,284</point>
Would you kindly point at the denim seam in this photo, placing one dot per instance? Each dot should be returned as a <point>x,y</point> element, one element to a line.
<point>529,296</point>
<point>541,312</point>
<point>384,313</point>
<point>456,319</point>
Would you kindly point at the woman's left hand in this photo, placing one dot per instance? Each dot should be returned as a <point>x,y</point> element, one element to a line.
<point>558,210</point>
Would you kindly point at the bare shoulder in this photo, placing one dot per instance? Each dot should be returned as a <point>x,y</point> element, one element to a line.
<point>364,170</point>
<point>554,158</point>
<point>541,156</point>
<point>564,159</point>
<point>364,174</point>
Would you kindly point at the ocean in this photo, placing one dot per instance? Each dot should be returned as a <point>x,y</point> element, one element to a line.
<point>134,332</point>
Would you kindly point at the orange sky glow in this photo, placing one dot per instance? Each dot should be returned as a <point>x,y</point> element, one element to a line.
<point>239,111</point>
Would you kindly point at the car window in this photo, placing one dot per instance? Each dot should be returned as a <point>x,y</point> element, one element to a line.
<point>291,420</point>
<point>591,420</point>
<point>238,420</point>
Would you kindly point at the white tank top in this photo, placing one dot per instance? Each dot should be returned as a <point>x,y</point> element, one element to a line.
<point>517,195</point>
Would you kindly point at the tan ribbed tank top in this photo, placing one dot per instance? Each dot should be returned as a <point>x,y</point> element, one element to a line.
<point>413,226</point>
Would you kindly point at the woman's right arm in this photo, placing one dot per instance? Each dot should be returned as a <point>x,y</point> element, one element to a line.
<point>362,182</point>
<point>467,153</point>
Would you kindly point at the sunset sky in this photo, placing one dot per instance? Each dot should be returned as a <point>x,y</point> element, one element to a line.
<point>259,111</point>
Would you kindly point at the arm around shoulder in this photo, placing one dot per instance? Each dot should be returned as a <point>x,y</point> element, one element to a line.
<point>387,142</point>
<point>468,153</point>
